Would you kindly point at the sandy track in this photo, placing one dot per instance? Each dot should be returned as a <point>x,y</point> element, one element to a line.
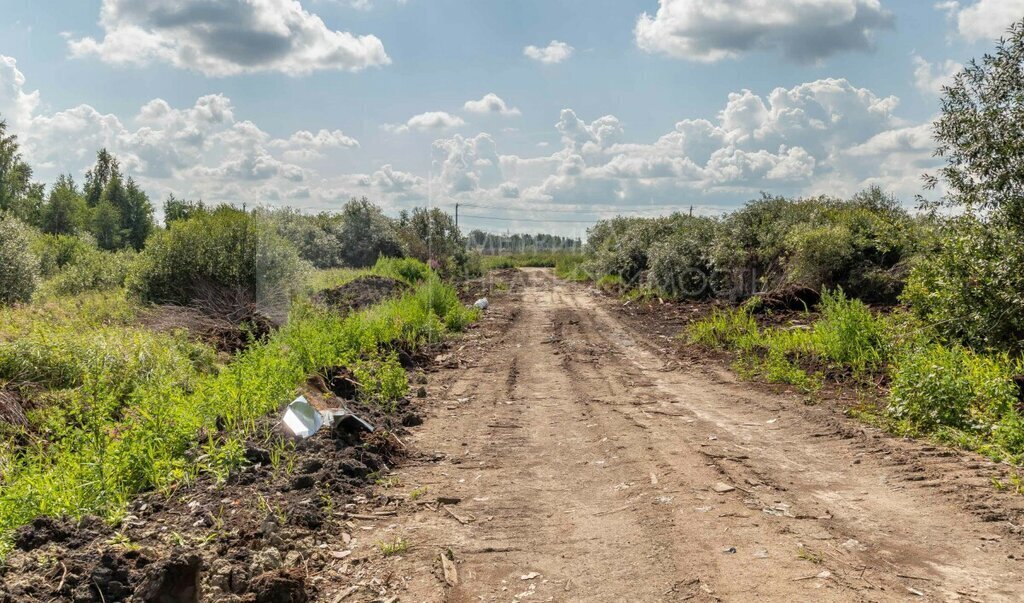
<point>581,457</point>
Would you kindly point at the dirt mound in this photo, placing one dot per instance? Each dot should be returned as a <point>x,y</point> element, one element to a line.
<point>360,293</point>
<point>796,298</point>
<point>228,333</point>
<point>254,538</point>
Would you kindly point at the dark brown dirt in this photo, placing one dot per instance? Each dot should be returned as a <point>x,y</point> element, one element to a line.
<point>251,538</point>
<point>360,293</point>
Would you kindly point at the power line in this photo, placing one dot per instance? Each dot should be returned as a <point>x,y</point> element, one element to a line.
<point>597,210</point>
<point>527,219</point>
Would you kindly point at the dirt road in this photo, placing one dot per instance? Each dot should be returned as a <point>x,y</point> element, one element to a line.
<point>589,470</point>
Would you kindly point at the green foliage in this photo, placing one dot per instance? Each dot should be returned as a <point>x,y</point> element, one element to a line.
<point>56,251</point>
<point>681,264</point>
<point>16,191</point>
<point>522,260</point>
<point>612,283</point>
<point>541,244</point>
<point>410,270</point>
<point>316,237</point>
<point>940,386</point>
<point>848,334</point>
<point>620,246</point>
<point>91,269</point>
<point>862,245</point>
<point>227,250</point>
<point>571,267</point>
<point>181,209</point>
<point>66,212</point>
<point>19,266</point>
<point>978,133</point>
<point>133,401</point>
<point>366,234</point>
<point>728,329</point>
<point>972,286</point>
<point>430,235</point>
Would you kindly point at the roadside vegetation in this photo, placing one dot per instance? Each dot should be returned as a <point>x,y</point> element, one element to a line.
<point>137,356</point>
<point>924,310</point>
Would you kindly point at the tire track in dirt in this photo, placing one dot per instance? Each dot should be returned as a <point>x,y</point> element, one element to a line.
<point>578,458</point>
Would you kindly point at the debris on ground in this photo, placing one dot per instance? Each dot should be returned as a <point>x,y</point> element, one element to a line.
<point>360,293</point>
<point>451,574</point>
<point>302,420</point>
<point>482,303</point>
<point>256,537</point>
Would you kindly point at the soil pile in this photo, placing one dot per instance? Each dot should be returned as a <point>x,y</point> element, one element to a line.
<point>255,538</point>
<point>360,293</point>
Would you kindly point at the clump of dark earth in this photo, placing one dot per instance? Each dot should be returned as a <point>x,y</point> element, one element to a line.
<point>797,298</point>
<point>239,541</point>
<point>360,293</point>
<point>280,586</point>
<point>171,580</point>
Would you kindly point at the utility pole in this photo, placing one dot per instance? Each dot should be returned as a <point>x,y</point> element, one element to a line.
<point>456,216</point>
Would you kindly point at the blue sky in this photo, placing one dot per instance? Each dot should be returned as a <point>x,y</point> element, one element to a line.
<point>620,106</point>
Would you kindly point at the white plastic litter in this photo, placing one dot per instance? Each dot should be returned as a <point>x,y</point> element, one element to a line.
<point>302,419</point>
<point>482,303</point>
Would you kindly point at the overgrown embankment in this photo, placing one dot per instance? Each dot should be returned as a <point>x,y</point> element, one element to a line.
<point>118,409</point>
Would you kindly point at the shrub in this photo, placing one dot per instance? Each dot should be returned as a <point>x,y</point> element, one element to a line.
<point>366,234</point>
<point>953,387</point>
<point>91,269</point>
<point>620,247</point>
<point>19,266</point>
<point>972,287</point>
<point>56,251</point>
<point>317,238</point>
<point>681,265</point>
<point>223,253</point>
<point>409,270</point>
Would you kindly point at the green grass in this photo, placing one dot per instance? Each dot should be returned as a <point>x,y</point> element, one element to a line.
<point>130,403</point>
<point>526,260</point>
<point>571,268</point>
<point>953,394</point>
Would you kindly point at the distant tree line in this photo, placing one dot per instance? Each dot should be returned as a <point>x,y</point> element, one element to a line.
<point>497,244</point>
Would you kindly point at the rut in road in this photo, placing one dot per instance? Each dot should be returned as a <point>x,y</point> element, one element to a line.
<point>589,468</point>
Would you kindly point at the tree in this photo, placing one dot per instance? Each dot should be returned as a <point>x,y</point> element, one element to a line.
<point>99,176</point>
<point>18,196</point>
<point>972,286</point>
<point>980,131</point>
<point>431,235</point>
<point>65,211</point>
<point>107,189</point>
<point>136,216</point>
<point>106,226</point>
<point>181,209</point>
<point>366,234</point>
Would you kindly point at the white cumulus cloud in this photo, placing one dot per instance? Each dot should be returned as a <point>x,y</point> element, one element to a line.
<point>227,37</point>
<point>426,122</point>
<point>552,54</point>
<point>491,103</point>
<point>802,30</point>
<point>931,77</point>
<point>983,19</point>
